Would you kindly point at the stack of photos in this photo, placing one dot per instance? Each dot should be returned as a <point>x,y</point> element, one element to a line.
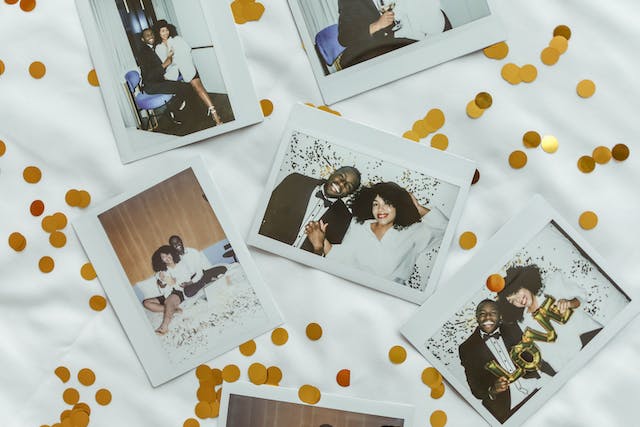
<point>178,276</point>
<point>509,349</point>
<point>362,204</point>
<point>247,405</point>
<point>171,72</point>
<point>357,45</point>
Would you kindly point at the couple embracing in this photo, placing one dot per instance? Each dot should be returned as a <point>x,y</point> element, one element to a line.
<point>381,228</point>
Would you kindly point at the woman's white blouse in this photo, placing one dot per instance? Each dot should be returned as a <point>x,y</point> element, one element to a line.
<point>182,60</point>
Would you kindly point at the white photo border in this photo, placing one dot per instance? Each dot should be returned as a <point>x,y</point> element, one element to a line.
<point>329,401</point>
<point>122,296</point>
<point>515,234</point>
<point>375,72</point>
<point>233,68</point>
<point>345,133</point>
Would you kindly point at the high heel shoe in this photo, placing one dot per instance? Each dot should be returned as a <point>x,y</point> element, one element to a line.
<point>214,114</point>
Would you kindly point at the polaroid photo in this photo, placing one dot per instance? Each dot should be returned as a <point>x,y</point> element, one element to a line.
<point>357,45</point>
<point>362,204</point>
<point>507,352</point>
<point>248,405</point>
<point>176,272</point>
<point>172,72</point>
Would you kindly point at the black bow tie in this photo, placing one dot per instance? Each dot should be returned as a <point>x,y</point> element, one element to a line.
<point>495,335</point>
<point>327,202</point>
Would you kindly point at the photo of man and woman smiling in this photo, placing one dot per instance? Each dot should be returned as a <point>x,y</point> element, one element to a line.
<point>356,210</point>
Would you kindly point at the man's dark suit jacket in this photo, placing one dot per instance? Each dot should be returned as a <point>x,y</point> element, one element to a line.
<point>354,19</point>
<point>287,206</point>
<point>474,355</point>
<point>150,65</point>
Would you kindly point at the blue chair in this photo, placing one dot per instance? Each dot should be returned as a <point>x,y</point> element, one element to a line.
<point>328,45</point>
<point>145,101</point>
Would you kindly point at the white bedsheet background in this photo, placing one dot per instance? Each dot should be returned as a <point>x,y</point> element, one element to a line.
<point>59,124</point>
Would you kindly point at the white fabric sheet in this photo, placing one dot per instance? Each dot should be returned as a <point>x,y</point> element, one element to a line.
<point>59,124</point>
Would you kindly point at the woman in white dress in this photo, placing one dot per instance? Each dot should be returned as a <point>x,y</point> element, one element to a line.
<point>171,277</point>
<point>182,63</point>
<point>388,231</point>
<point>524,293</point>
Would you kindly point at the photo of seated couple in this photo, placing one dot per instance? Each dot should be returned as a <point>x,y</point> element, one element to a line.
<point>180,272</point>
<point>164,54</point>
<point>378,227</point>
<point>524,337</point>
<point>349,32</point>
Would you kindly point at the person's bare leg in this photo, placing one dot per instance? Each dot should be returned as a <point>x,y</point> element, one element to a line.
<point>170,305</point>
<point>204,96</point>
<point>153,304</point>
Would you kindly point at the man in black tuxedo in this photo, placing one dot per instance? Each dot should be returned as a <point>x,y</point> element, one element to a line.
<point>492,340</point>
<point>299,199</point>
<point>153,82</point>
<point>365,32</point>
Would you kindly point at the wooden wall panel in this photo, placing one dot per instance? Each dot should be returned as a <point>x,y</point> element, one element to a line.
<point>143,223</point>
<point>247,411</point>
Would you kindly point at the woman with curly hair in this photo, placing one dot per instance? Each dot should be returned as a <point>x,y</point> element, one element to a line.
<point>171,45</point>
<point>388,231</point>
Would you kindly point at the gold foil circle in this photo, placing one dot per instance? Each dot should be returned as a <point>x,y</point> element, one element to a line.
<point>531,139</point>
<point>549,143</point>
<point>586,164</point>
<point>473,111</point>
<point>559,43</point>
<point>549,56</point>
<point>601,155</point>
<point>517,159</point>
<point>588,220</point>
<point>586,88</point>
<point>483,100</point>
<point>620,152</point>
<point>496,51</point>
<point>562,30</point>
<point>440,141</point>
<point>511,73</point>
<point>528,73</point>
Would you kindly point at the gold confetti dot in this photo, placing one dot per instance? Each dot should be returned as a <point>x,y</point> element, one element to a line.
<point>11,1</point>
<point>3,146</point>
<point>81,406</point>
<point>421,128</point>
<point>79,419</point>
<point>17,241</point>
<point>103,397</point>
<point>517,159</point>
<point>549,56</point>
<point>313,331</point>
<point>216,376</point>
<point>49,224</point>
<point>440,141</point>
<point>70,396</point>
<point>483,100</point>
<point>511,73</point>
<point>36,208</point>
<point>343,378</point>
<point>37,70</point>
<point>46,264</point>
<point>397,354</point>
<point>586,164</point>
<point>438,419</point>
<point>467,240</point>
<point>328,110</point>
<point>203,410</point>
<point>231,373</point>
<point>473,111</point>
<point>549,143</point>
<point>248,348</point>
<point>92,78</point>
<point>59,220</point>
<point>1,71</point>
<point>496,51</point>
<point>215,409</point>
<point>559,43</point>
<point>476,177</point>
<point>309,394</point>
<point>601,155</point>
<point>495,283</point>
<point>588,220</point>
<point>531,139</point>
<point>72,197</point>
<point>206,392</point>
<point>431,377</point>
<point>620,152</point>
<point>32,174</point>
<point>97,302</point>
<point>86,377</point>
<point>528,73</point>
<point>87,272</point>
<point>257,373</point>
<point>84,199</point>
<point>279,336</point>
<point>411,135</point>
<point>274,375</point>
<point>63,373</point>
<point>586,88</point>
<point>562,30</point>
<point>267,107</point>
<point>27,5</point>
<point>438,391</point>
<point>435,119</point>
<point>191,422</point>
<point>57,239</point>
